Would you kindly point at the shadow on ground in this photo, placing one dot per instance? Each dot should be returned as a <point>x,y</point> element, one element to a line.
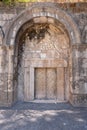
<point>43,116</point>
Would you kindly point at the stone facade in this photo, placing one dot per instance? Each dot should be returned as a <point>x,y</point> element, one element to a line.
<point>43,54</point>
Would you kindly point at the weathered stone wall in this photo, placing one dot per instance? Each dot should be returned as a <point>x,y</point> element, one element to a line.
<point>78,73</point>
<point>77,11</point>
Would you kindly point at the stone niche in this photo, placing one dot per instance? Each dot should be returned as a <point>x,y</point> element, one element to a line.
<point>42,57</point>
<point>44,53</point>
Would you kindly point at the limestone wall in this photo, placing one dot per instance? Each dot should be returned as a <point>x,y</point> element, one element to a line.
<point>78,74</point>
<point>77,11</point>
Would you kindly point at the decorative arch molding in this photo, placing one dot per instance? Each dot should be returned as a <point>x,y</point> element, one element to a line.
<point>41,10</point>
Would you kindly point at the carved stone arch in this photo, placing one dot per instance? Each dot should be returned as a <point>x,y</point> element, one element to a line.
<point>38,13</point>
<point>41,10</point>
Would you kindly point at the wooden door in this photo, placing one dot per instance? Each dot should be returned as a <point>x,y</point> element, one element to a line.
<point>49,83</point>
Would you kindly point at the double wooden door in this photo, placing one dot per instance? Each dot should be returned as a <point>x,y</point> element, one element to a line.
<point>49,83</point>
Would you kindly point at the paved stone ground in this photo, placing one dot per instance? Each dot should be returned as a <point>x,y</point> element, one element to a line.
<point>43,116</point>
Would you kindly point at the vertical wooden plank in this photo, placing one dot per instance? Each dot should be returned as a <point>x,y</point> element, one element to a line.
<point>51,83</point>
<point>40,83</point>
<point>60,84</point>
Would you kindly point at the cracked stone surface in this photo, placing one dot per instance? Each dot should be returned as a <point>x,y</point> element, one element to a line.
<point>43,116</point>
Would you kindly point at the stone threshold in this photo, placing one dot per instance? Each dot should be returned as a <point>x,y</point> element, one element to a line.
<point>48,101</point>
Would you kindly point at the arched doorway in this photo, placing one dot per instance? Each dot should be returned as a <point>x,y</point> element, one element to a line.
<point>40,41</point>
<point>43,61</point>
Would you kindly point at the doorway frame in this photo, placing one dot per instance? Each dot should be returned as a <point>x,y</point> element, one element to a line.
<point>29,75</point>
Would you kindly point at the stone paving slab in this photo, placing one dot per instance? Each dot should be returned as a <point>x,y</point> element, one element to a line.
<point>43,116</point>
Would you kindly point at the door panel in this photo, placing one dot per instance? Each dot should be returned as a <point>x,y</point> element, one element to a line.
<point>51,83</point>
<point>40,83</point>
<point>60,83</point>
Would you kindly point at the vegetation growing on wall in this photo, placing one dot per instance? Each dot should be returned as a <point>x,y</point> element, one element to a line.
<point>14,2</point>
<point>60,1</point>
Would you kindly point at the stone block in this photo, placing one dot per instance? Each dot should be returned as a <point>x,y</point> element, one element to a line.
<point>78,100</point>
<point>50,20</point>
<point>40,20</point>
<point>10,97</point>
<point>3,98</point>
